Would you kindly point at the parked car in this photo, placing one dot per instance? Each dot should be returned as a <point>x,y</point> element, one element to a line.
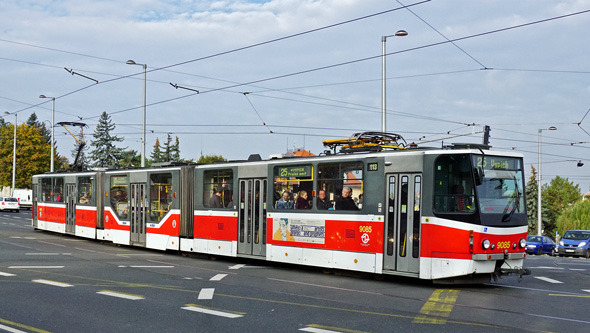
<point>539,245</point>
<point>575,243</point>
<point>7,203</point>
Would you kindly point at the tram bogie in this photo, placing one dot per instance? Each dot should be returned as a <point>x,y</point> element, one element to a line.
<point>430,214</point>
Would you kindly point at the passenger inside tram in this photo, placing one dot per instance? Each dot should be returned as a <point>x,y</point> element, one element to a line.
<point>345,202</point>
<point>302,202</point>
<point>285,201</point>
<point>322,201</point>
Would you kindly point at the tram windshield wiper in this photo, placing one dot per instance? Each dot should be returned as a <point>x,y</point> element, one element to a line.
<point>515,203</point>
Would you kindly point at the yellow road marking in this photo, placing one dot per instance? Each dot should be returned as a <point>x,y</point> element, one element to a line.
<point>562,295</point>
<point>438,307</point>
<point>32,329</point>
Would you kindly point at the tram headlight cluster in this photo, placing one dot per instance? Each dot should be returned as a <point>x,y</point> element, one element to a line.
<point>485,244</point>
<point>522,243</point>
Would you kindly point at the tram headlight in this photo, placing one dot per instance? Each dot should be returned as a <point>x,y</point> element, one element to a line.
<point>522,243</point>
<point>485,244</point>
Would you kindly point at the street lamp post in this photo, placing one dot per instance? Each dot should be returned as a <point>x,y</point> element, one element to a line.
<point>539,215</point>
<point>131,62</point>
<point>399,33</point>
<point>52,127</point>
<point>13,153</point>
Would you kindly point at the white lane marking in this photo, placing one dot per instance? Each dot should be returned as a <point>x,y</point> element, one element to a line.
<point>316,330</point>
<point>53,283</point>
<point>546,279</point>
<point>218,277</point>
<point>81,249</point>
<point>10,329</point>
<point>41,254</point>
<point>212,312</point>
<point>140,266</point>
<point>329,287</point>
<point>54,244</point>
<point>546,267</point>
<point>577,269</point>
<point>120,295</point>
<point>6,274</point>
<point>206,293</point>
<point>24,267</point>
<point>237,266</point>
<point>139,254</point>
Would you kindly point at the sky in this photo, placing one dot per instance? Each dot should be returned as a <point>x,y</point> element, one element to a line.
<point>277,75</point>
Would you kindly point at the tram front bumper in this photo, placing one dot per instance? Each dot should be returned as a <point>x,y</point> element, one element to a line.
<point>499,256</point>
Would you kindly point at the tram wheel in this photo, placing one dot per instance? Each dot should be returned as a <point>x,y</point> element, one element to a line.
<point>327,271</point>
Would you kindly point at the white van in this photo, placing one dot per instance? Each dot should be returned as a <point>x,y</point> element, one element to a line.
<point>25,198</point>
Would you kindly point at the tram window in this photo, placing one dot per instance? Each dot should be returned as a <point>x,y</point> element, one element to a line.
<point>161,195</point>
<point>46,192</point>
<point>293,187</point>
<point>218,188</point>
<point>453,184</point>
<point>58,189</point>
<point>85,191</point>
<point>343,184</point>
<point>118,195</point>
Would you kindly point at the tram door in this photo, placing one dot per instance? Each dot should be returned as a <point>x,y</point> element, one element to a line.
<point>34,207</point>
<point>70,201</point>
<point>402,223</point>
<point>252,217</point>
<point>138,203</point>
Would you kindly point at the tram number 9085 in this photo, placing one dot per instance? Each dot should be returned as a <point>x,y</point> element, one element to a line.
<point>366,228</point>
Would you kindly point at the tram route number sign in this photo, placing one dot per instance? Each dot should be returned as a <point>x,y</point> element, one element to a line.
<point>372,166</point>
<point>295,171</point>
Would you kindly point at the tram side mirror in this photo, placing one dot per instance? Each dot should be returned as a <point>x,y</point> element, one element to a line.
<point>479,175</point>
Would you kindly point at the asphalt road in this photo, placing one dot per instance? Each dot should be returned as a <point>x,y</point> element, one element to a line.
<point>56,283</point>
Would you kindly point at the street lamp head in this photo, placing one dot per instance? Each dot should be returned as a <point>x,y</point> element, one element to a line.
<point>401,33</point>
<point>552,128</point>
<point>6,112</point>
<point>131,62</point>
<point>42,96</point>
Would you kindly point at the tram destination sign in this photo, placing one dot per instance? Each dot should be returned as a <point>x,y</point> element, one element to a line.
<point>295,171</point>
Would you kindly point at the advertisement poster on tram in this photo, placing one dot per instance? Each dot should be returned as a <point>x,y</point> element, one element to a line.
<point>297,230</point>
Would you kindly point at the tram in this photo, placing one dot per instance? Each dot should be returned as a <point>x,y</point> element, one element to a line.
<point>445,214</point>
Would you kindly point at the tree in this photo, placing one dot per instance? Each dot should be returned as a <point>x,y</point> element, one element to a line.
<point>175,151</point>
<point>559,195</point>
<point>211,159</point>
<point>157,155</point>
<point>576,216</point>
<point>32,154</point>
<point>532,201</point>
<point>33,121</point>
<point>130,159</point>
<point>105,153</point>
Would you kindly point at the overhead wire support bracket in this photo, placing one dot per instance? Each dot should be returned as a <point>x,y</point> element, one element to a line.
<point>71,71</point>
<point>176,86</point>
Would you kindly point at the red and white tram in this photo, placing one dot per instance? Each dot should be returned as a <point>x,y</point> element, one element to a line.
<point>456,212</point>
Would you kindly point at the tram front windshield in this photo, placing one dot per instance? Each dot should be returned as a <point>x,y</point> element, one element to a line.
<point>500,190</point>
